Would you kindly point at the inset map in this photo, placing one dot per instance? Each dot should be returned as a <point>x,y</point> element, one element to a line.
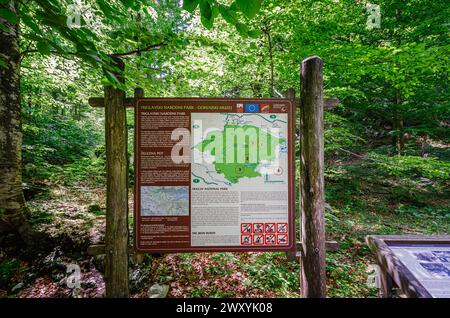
<point>165,201</point>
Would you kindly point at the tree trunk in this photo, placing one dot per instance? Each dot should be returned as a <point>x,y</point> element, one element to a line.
<point>399,125</point>
<point>312,197</point>
<point>116,236</point>
<point>13,212</point>
<point>272,72</point>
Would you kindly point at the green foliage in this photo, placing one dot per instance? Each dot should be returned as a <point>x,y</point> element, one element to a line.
<point>412,167</point>
<point>40,217</point>
<point>54,140</point>
<point>249,7</point>
<point>340,134</point>
<point>96,209</point>
<point>8,269</point>
<point>8,15</point>
<point>190,5</point>
<point>90,170</point>
<point>210,9</point>
<point>269,272</point>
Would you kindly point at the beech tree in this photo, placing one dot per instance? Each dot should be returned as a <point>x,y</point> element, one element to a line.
<point>92,32</point>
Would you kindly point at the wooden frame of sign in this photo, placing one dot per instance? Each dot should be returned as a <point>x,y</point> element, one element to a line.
<point>196,222</point>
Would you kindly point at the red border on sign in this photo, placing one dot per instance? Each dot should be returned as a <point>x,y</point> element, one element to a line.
<point>246,235</point>
<point>274,228</point>
<point>285,227</point>
<point>251,227</point>
<point>262,241</point>
<point>262,227</point>
<point>278,240</point>
<point>274,239</point>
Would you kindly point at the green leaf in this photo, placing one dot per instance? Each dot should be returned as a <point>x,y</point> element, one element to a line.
<point>111,79</point>
<point>234,7</point>
<point>242,29</point>
<point>190,5</point>
<point>8,15</point>
<point>249,7</point>
<point>26,19</point>
<point>208,14</point>
<point>228,15</point>
<point>43,47</point>
<point>207,23</point>
<point>106,9</point>
<point>205,9</point>
<point>215,12</point>
<point>127,3</point>
<point>254,33</point>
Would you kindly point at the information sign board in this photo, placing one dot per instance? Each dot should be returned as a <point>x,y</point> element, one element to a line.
<point>214,175</point>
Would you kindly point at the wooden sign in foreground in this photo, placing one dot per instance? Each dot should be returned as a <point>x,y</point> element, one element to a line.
<point>214,174</point>
<point>418,265</point>
<point>313,244</point>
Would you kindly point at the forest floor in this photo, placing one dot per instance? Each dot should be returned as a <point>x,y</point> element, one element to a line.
<point>360,202</point>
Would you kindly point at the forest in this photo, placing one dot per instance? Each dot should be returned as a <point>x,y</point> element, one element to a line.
<point>387,144</point>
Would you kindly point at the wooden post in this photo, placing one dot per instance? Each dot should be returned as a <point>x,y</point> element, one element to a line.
<point>138,258</point>
<point>385,284</point>
<point>313,276</point>
<point>138,92</point>
<point>116,237</point>
<point>290,94</point>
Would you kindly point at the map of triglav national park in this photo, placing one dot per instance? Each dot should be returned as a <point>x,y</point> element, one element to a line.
<point>164,201</point>
<point>239,146</point>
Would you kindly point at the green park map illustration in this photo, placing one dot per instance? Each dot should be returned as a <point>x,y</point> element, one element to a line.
<point>238,146</point>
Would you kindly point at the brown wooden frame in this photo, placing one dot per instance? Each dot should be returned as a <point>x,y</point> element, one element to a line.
<point>392,270</point>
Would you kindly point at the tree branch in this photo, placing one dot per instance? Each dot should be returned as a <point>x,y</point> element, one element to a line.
<point>136,51</point>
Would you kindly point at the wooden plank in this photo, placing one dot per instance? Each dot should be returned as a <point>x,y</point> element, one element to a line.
<point>99,249</point>
<point>98,102</point>
<point>330,246</point>
<point>116,236</point>
<point>331,102</point>
<point>390,264</point>
<point>414,239</point>
<point>327,102</point>
<point>312,179</point>
<point>290,94</point>
<point>385,287</point>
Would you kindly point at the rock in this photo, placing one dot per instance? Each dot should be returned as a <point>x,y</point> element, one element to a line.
<point>16,288</point>
<point>158,291</point>
<point>425,181</point>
